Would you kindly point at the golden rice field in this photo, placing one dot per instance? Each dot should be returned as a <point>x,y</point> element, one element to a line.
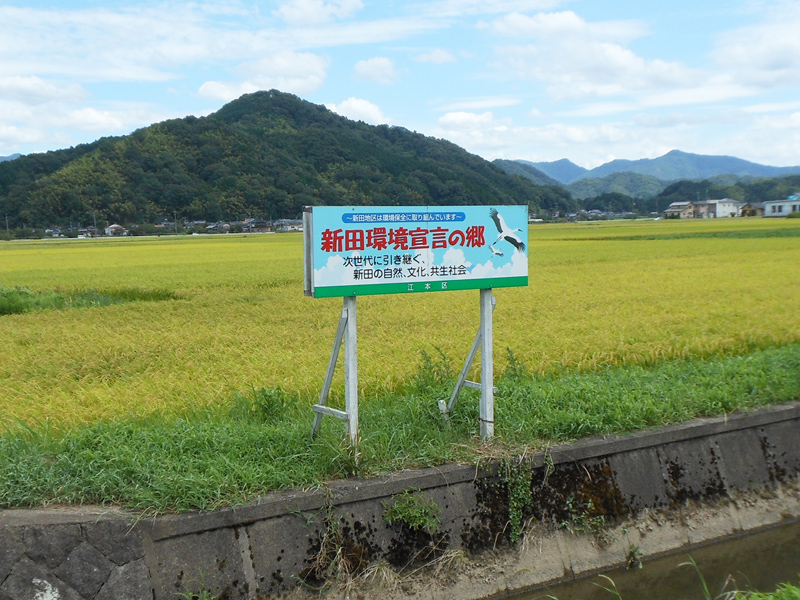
<point>600,294</point>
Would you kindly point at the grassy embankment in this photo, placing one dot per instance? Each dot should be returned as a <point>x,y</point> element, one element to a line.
<point>159,405</point>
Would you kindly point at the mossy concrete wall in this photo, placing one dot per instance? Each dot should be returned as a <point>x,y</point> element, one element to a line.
<point>267,549</point>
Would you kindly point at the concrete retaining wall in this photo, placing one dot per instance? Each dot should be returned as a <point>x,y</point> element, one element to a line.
<point>265,550</point>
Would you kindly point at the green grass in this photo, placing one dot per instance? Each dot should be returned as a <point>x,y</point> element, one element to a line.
<point>259,442</point>
<point>18,300</point>
<point>785,591</point>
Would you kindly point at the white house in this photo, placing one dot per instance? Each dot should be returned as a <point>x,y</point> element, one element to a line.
<point>782,208</point>
<point>717,209</point>
<point>705,209</point>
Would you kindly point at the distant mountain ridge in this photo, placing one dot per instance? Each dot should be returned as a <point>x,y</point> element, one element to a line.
<point>11,157</point>
<point>630,184</point>
<point>564,170</point>
<point>673,166</point>
<point>525,169</point>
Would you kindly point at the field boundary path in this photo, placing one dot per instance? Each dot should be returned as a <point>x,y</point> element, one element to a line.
<point>579,508</point>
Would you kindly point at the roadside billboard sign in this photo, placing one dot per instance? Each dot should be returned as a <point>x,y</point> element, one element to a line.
<point>359,251</point>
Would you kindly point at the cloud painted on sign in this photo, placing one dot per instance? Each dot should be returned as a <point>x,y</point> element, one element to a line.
<point>517,267</point>
<point>333,273</point>
<point>455,256</point>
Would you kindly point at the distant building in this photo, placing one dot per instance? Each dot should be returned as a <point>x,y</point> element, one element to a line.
<point>705,209</point>
<point>782,208</point>
<point>288,225</point>
<point>680,210</point>
<point>753,209</point>
<point>116,229</point>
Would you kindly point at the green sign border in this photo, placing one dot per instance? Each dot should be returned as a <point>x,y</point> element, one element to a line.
<point>375,289</point>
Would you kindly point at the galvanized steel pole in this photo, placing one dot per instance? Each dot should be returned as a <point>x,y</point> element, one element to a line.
<point>351,370</point>
<point>487,367</point>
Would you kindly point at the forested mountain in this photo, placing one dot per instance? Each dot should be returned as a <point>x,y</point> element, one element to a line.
<point>266,154</point>
<point>677,165</point>
<point>673,166</point>
<point>633,185</point>
<point>756,190</point>
<point>524,169</point>
<point>12,157</point>
<point>550,196</point>
<point>564,171</point>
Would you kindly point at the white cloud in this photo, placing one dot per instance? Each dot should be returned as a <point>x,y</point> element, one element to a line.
<point>462,120</point>
<point>772,139</point>
<point>380,69</point>
<point>35,90</point>
<point>101,44</point>
<point>91,119</point>
<point>359,109</point>
<point>437,57</point>
<point>484,135</point>
<point>768,107</point>
<point>315,12</point>
<point>766,53</point>
<point>578,59</point>
<point>455,257</point>
<point>295,72</point>
<point>577,69</point>
<point>461,8</point>
<point>226,90</point>
<point>12,136</point>
<point>555,26</point>
<point>333,273</point>
<point>516,267</point>
<point>480,103</point>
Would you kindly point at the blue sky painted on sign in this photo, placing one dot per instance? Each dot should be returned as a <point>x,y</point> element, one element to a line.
<point>532,79</point>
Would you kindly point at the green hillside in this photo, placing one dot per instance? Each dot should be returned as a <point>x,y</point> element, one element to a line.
<point>266,154</point>
<point>516,167</point>
<point>627,183</point>
<point>753,190</point>
<point>677,165</point>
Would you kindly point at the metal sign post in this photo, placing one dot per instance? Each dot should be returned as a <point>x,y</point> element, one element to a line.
<point>487,367</point>
<point>351,370</point>
<point>483,342</point>
<point>347,331</point>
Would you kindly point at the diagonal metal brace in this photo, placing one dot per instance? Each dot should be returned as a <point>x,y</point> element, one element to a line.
<point>320,408</point>
<point>462,381</point>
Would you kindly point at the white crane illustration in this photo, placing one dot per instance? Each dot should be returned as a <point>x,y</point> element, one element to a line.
<point>505,232</point>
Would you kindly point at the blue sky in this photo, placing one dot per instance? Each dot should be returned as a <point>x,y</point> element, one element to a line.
<point>537,80</point>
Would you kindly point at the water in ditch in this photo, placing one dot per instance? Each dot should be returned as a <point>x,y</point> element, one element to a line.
<point>758,561</point>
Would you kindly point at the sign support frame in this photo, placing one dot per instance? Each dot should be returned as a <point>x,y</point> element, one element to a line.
<point>353,251</point>
<point>487,366</point>
<point>484,342</point>
<point>347,332</point>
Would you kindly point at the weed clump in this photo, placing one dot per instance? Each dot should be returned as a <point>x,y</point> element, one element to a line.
<point>413,510</point>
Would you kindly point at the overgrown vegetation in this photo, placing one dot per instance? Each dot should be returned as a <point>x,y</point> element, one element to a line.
<point>258,442</point>
<point>784,591</point>
<point>16,300</point>
<point>413,510</point>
